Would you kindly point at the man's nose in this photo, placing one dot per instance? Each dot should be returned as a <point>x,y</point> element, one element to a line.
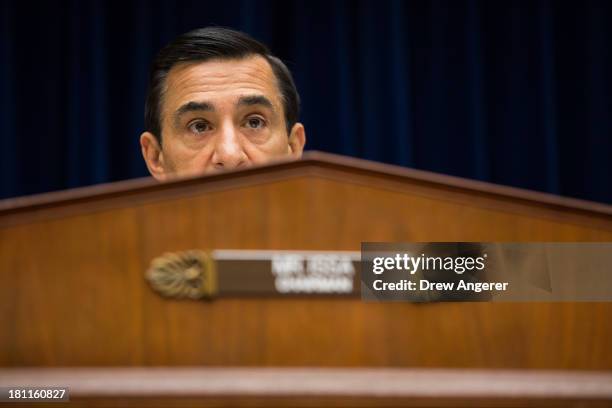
<point>229,152</point>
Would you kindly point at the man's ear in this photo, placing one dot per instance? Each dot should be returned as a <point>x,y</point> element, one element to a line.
<point>297,139</point>
<point>153,155</point>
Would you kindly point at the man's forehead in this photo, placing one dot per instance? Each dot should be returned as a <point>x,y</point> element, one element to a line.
<point>220,78</point>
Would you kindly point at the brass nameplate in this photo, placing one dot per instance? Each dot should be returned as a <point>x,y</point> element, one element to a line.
<point>199,274</point>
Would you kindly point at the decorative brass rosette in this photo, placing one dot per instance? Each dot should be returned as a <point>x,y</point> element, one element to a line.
<point>180,275</point>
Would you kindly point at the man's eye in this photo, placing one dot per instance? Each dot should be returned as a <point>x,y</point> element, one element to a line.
<point>199,127</point>
<point>255,123</point>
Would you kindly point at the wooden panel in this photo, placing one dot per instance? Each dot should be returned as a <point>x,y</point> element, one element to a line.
<point>73,292</point>
<point>319,387</point>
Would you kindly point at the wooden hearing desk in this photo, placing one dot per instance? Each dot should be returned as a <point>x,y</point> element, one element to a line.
<point>73,294</point>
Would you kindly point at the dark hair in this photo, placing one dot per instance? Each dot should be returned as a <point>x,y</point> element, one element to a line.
<point>208,43</point>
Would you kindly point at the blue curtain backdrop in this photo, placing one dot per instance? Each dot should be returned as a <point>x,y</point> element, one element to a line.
<point>516,93</point>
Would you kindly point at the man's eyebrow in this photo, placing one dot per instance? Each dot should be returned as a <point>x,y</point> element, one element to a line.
<point>193,107</point>
<point>251,100</point>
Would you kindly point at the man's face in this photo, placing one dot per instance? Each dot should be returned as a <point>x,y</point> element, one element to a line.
<point>220,114</point>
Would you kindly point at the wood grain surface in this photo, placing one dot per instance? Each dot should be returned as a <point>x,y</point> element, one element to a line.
<point>73,293</point>
<point>317,386</point>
